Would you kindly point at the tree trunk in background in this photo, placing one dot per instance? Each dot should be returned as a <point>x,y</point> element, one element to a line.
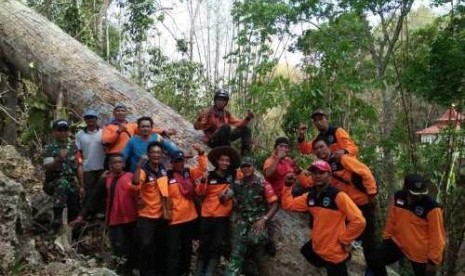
<point>9,90</point>
<point>43,52</point>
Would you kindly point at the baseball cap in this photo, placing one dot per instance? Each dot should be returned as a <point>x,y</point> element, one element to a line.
<point>281,140</point>
<point>178,155</point>
<point>120,105</point>
<point>416,184</point>
<point>247,161</point>
<point>60,124</point>
<point>320,165</point>
<point>317,113</point>
<point>90,113</point>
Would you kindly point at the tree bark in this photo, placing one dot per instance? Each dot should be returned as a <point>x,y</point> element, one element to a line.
<point>43,52</point>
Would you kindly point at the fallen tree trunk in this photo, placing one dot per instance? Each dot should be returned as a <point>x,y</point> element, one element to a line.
<point>44,53</point>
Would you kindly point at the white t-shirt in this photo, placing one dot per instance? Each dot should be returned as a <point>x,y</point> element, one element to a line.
<point>90,143</point>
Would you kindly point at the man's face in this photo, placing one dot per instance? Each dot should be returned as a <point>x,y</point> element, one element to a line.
<point>144,128</point>
<point>321,122</point>
<point>120,113</point>
<point>155,153</point>
<point>247,170</point>
<point>178,164</point>
<point>61,134</point>
<point>320,177</point>
<point>321,150</point>
<point>221,103</point>
<point>91,121</point>
<point>116,164</point>
<point>282,147</point>
<point>224,162</point>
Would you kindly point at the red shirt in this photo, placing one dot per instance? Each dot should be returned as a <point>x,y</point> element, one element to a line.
<point>285,166</point>
<point>124,207</point>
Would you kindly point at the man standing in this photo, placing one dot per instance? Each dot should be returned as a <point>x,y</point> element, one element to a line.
<point>61,163</point>
<point>278,165</point>
<point>355,179</point>
<point>151,178</point>
<point>137,145</point>
<point>117,133</point>
<point>121,214</point>
<point>339,139</point>
<point>216,124</point>
<point>216,207</point>
<point>183,225</point>
<point>414,230</point>
<point>90,147</point>
<point>255,203</point>
<point>336,220</point>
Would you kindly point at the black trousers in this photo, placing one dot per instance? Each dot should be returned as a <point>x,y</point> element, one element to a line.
<point>179,238</point>
<point>368,237</point>
<point>91,180</point>
<point>224,135</point>
<point>389,253</point>
<point>152,245</point>
<point>212,236</point>
<point>123,241</point>
<point>332,269</point>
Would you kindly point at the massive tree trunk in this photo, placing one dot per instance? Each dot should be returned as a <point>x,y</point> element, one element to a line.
<point>44,53</point>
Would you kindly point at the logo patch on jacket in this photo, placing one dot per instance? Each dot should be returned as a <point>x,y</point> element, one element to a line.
<point>326,201</point>
<point>213,181</point>
<point>419,211</point>
<point>311,202</point>
<point>400,202</point>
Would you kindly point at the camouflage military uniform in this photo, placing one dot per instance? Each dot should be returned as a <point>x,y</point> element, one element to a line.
<point>250,204</point>
<point>61,183</point>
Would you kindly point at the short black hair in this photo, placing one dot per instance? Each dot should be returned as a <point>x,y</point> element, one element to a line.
<point>318,139</point>
<point>154,144</point>
<point>114,155</point>
<point>145,118</point>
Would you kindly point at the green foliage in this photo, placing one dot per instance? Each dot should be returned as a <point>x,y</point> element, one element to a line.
<point>140,17</point>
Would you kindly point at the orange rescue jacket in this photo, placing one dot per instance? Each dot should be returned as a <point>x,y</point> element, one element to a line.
<point>418,228</point>
<point>211,190</point>
<point>338,138</point>
<point>152,186</point>
<point>216,119</point>
<point>337,221</point>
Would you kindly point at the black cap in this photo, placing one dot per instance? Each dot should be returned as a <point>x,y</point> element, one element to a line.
<point>318,112</point>
<point>416,184</point>
<point>281,140</point>
<point>221,93</point>
<point>247,161</point>
<point>178,155</point>
<point>60,124</point>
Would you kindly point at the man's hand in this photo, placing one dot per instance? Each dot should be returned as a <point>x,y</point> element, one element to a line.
<point>338,154</point>
<point>123,127</point>
<point>170,131</point>
<point>259,225</point>
<point>77,221</point>
<point>198,148</point>
<point>289,179</point>
<point>203,121</point>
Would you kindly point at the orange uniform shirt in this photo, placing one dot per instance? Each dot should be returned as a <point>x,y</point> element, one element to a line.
<point>183,207</point>
<point>152,186</point>
<point>215,119</point>
<point>337,221</point>
<point>344,172</point>
<point>114,141</point>
<point>418,229</point>
<point>216,185</point>
<point>338,138</point>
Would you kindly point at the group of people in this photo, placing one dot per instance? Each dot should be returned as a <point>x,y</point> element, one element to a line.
<point>155,205</point>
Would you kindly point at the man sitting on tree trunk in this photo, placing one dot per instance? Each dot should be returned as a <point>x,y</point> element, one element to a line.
<point>216,123</point>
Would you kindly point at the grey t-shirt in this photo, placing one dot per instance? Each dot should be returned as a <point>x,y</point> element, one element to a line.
<point>90,143</point>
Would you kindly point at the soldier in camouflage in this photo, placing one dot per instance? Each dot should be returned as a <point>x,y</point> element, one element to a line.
<point>255,203</point>
<point>61,164</point>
